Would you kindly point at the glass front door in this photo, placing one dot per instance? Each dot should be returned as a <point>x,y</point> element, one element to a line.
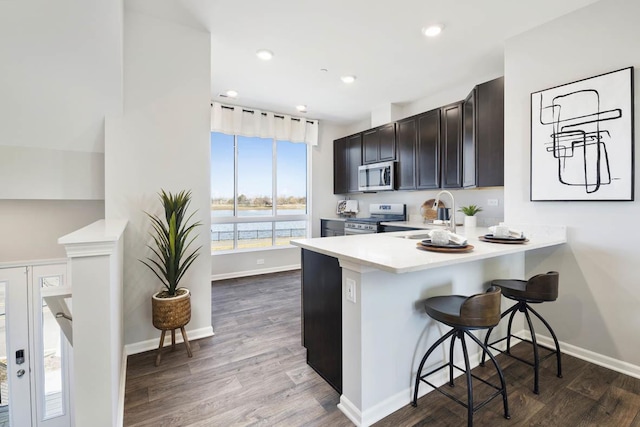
<point>35,354</point>
<point>15,369</point>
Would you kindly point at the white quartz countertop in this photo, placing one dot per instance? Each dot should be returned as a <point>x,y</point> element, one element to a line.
<point>397,252</point>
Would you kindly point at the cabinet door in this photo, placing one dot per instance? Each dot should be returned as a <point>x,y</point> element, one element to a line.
<point>451,140</point>
<point>330,228</point>
<point>379,144</point>
<point>354,160</point>
<point>407,141</point>
<point>340,173</point>
<point>428,150</point>
<point>387,142</point>
<point>490,133</point>
<point>370,146</point>
<point>469,141</point>
<point>322,315</point>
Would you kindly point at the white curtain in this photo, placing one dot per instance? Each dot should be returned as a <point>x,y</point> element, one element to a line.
<point>236,120</point>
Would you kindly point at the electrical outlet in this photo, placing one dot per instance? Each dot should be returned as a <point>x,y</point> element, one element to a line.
<point>492,202</point>
<point>351,290</point>
<point>260,261</point>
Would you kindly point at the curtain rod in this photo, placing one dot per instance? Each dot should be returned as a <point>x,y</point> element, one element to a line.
<point>264,114</point>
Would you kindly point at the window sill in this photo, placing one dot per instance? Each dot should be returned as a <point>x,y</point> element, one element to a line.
<point>247,250</point>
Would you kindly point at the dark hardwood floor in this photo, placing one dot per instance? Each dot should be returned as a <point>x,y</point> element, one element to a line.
<point>253,373</point>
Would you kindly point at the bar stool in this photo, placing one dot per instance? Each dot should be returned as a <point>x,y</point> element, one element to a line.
<point>464,314</point>
<point>538,289</point>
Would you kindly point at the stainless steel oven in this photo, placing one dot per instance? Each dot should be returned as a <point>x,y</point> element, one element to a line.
<point>380,212</point>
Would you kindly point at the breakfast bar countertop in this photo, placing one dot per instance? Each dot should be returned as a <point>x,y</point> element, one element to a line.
<point>397,253</point>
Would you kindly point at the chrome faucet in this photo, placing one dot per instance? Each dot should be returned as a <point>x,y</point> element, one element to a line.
<point>452,217</point>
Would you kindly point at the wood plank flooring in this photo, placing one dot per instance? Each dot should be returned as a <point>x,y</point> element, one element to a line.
<point>253,373</point>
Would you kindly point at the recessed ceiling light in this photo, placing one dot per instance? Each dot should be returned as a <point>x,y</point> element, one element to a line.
<point>348,79</point>
<point>302,108</point>
<point>231,93</point>
<point>432,30</point>
<point>264,54</point>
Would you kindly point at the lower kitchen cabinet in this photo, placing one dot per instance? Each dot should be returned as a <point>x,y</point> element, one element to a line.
<point>330,227</point>
<point>322,315</point>
<point>391,228</point>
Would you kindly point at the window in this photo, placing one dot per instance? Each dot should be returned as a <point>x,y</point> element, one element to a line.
<point>258,192</point>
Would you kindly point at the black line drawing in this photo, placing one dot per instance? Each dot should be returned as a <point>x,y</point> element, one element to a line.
<point>581,140</point>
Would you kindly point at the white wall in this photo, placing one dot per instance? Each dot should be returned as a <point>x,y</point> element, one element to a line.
<point>161,142</point>
<point>31,228</point>
<point>61,74</point>
<point>599,295</point>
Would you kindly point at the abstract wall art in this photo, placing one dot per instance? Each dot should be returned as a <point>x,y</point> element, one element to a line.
<point>582,139</point>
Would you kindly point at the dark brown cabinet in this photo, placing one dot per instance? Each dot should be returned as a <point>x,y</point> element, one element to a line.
<point>379,144</point>
<point>347,156</point>
<point>322,315</point>
<point>418,165</point>
<point>428,151</point>
<point>406,145</point>
<point>460,145</point>
<point>451,144</point>
<point>330,227</point>
<point>483,135</point>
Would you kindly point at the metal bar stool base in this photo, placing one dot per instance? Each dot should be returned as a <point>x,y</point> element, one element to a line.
<point>460,333</point>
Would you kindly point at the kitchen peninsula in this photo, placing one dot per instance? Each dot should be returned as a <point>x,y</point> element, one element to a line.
<point>379,281</point>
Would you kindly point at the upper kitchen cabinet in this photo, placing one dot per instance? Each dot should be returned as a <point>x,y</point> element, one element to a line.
<point>483,135</point>
<point>407,142</point>
<point>419,152</point>
<point>379,144</point>
<point>451,145</point>
<point>347,156</point>
<point>428,151</point>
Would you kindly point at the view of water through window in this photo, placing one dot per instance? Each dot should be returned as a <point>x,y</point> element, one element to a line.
<point>267,171</point>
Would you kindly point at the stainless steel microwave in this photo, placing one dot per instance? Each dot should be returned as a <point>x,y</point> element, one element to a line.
<point>376,177</point>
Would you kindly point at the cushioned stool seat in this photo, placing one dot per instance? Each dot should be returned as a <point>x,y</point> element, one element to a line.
<point>538,289</point>
<point>464,314</point>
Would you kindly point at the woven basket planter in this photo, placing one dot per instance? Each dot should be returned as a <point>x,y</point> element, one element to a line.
<point>173,312</point>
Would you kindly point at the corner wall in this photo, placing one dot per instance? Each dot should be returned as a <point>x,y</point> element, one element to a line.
<point>161,142</point>
<point>599,295</point>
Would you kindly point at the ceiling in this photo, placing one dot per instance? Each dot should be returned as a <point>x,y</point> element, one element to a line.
<point>378,41</point>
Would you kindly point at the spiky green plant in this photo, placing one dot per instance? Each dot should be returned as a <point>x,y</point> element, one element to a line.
<point>171,237</point>
<point>470,210</point>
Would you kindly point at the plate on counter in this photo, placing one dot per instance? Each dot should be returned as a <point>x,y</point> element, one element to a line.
<point>444,249</point>
<point>427,242</point>
<point>512,240</point>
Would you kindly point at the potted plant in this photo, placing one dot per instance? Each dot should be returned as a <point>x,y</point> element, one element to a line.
<point>171,306</point>
<point>469,214</point>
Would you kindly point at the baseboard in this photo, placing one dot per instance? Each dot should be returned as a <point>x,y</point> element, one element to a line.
<point>257,272</point>
<point>152,344</point>
<point>350,410</point>
<point>121,389</point>
<point>399,400</point>
<point>588,355</point>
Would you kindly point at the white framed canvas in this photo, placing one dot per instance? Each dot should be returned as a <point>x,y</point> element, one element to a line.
<point>582,139</point>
